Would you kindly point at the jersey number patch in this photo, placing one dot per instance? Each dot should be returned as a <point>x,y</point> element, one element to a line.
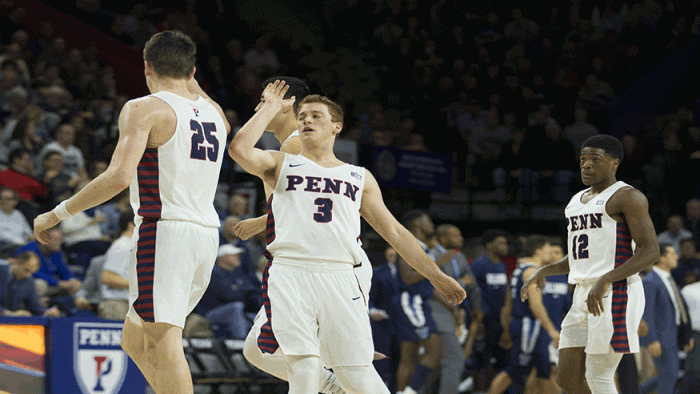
<point>204,131</point>
<point>325,207</point>
<point>579,246</point>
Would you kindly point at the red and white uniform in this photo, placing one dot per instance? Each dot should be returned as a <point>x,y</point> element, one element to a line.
<point>597,244</point>
<point>172,195</point>
<point>314,302</point>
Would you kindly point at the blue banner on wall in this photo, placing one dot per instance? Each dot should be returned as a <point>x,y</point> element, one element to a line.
<point>431,171</point>
<point>86,357</point>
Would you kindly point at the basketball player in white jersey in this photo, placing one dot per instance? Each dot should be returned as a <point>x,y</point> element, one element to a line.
<point>314,304</point>
<point>284,127</point>
<point>611,238</point>
<point>170,148</point>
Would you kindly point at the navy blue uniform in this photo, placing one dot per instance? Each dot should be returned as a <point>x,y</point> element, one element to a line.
<point>385,285</point>
<point>557,298</point>
<point>530,341</point>
<point>492,280</point>
<point>411,312</point>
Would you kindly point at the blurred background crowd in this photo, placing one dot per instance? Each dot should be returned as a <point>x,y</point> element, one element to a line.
<point>507,90</point>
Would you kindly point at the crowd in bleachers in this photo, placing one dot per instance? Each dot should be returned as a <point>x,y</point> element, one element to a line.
<point>490,83</point>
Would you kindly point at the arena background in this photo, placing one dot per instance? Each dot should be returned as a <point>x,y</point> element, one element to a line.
<point>415,78</point>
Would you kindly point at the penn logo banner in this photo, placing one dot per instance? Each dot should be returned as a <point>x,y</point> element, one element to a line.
<point>99,362</point>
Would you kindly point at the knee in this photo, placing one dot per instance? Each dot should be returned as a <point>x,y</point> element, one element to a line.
<point>131,347</point>
<point>570,382</point>
<point>434,352</point>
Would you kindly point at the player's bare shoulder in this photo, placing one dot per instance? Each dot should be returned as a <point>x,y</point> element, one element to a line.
<point>625,199</point>
<point>151,115</point>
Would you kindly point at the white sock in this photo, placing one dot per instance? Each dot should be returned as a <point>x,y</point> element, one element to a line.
<point>409,390</point>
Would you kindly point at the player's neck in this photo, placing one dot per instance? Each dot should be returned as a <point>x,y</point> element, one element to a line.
<point>177,86</point>
<point>599,187</point>
<point>320,153</point>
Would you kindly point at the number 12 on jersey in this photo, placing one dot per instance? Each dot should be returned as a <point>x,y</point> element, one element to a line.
<point>579,246</point>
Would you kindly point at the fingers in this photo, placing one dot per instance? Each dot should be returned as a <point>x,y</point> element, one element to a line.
<point>595,305</point>
<point>524,290</point>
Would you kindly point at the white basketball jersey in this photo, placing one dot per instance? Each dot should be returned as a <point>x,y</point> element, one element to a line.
<point>597,243</point>
<point>177,180</point>
<point>314,212</point>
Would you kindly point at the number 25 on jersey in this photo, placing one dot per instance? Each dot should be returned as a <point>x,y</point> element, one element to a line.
<point>204,131</point>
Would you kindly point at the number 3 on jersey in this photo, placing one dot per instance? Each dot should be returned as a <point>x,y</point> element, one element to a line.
<point>204,131</point>
<point>325,207</point>
<point>579,246</point>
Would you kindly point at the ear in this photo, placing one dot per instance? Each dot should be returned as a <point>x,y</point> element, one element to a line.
<point>337,128</point>
<point>147,68</point>
<point>194,70</point>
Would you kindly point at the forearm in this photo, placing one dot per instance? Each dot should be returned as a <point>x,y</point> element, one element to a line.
<point>474,296</point>
<point>98,191</point>
<point>114,280</point>
<point>635,264</point>
<point>413,254</point>
<point>540,313</point>
<point>559,268</point>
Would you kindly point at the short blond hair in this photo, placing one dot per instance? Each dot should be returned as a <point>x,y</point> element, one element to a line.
<point>334,109</point>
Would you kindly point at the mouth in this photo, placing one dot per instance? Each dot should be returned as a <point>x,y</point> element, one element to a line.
<point>306,129</point>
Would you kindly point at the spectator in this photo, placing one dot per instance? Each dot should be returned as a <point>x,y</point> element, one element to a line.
<point>580,130</point>
<point>688,263</point>
<point>223,303</point>
<point>384,286</point>
<point>115,273</point>
<point>691,221</point>
<point>73,161</point>
<point>20,176</point>
<point>666,315</point>
<point>485,145</point>
<point>88,297</point>
<point>61,184</point>
<point>54,278</point>
<point>17,293</point>
<point>83,238</point>
<point>674,232</point>
<point>691,380</point>
<point>14,228</point>
<point>250,251</point>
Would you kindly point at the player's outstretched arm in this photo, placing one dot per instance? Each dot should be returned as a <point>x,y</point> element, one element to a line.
<point>242,148</point>
<point>194,88</point>
<point>379,217</point>
<point>538,278</point>
<point>136,121</point>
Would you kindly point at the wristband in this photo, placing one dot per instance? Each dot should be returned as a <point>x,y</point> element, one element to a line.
<point>61,211</point>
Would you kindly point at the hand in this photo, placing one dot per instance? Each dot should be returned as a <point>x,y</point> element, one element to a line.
<point>378,314</point>
<point>52,312</point>
<point>596,295</point>
<point>654,349</point>
<point>505,341</point>
<point>42,223</point>
<point>689,346</point>
<point>273,95</point>
<point>643,329</point>
<point>450,288</point>
<point>82,303</point>
<point>536,279</point>
<point>247,228</point>
<point>555,337</point>
<point>71,285</point>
